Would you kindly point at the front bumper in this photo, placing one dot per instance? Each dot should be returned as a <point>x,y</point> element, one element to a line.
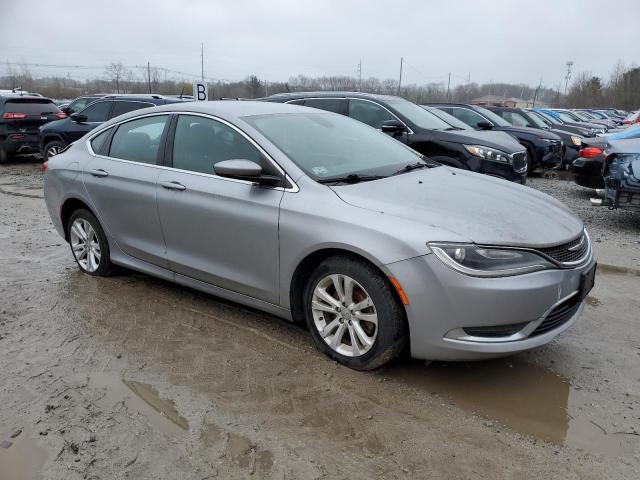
<point>443,301</point>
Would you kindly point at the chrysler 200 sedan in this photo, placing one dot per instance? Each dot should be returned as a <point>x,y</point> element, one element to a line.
<point>319,218</point>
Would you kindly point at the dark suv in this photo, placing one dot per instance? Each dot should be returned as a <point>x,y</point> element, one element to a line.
<point>55,136</point>
<point>543,148</point>
<point>437,136</point>
<point>81,102</point>
<point>20,117</point>
<point>519,117</point>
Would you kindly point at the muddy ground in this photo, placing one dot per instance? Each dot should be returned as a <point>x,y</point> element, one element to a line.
<point>132,377</point>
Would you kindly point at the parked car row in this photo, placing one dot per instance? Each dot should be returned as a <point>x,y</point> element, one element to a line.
<point>319,218</point>
<point>31,123</point>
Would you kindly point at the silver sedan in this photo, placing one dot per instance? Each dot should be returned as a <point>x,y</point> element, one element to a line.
<point>318,218</point>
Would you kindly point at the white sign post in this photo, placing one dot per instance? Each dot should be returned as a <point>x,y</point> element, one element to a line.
<point>200,91</point>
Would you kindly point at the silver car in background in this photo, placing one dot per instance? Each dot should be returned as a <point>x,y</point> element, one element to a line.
<point>318,218</point>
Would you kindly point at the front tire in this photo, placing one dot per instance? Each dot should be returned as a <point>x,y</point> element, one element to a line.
<point>353,314</point>
<point>89,244</point>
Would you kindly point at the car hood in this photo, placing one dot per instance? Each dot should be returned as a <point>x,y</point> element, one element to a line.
<point>495,139</point>
<point>483,209</point>
<point>530,131</point>
<point>55,125</point>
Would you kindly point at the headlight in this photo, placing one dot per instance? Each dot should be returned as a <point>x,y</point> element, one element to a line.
<point>488,153</point>
<point>576,140</point>
<point>488,262</point>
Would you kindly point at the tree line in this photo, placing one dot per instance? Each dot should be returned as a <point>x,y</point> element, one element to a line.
<point>620,90</point>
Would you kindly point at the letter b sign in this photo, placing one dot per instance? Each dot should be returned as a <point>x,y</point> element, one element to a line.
<point>200,91</point>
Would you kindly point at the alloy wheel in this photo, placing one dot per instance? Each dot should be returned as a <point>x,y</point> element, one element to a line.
<point>52,151</point>
<point>344,315</point>
<point>85,245</point>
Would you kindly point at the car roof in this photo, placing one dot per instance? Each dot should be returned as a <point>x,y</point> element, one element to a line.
<point>452,104</point>
<point>316,94</point>
<point>13,96</point>
<point>226,109</point>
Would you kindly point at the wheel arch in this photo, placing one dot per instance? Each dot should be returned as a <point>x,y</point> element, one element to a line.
<point>307,264</point>
<point>69,206</point>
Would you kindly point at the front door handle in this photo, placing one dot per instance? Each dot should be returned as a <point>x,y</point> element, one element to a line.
<point>98,173</point>
<point>173,186</point>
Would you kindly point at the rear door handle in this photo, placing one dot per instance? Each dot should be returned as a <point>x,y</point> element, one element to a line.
<point>98,173</point>
<point>173,186</point>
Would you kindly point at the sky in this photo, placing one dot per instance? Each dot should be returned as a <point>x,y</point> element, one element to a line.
<point>513,41</point>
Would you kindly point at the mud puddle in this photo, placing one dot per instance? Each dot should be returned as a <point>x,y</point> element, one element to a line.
<point>140,398</point>
<point>522,397</point>
<point>20,457</point>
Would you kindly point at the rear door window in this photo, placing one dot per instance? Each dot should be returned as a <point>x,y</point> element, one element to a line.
<point>139,140</point>
<point>122,107</point>
<point>98,142</point>
<point>97,112</point>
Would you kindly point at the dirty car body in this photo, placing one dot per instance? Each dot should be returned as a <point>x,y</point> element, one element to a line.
<point>479,267</point>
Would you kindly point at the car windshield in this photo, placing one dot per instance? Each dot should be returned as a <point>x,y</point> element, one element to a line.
<point>417,115</point>
<point>549,118</point>
<point>584,115</point>
<point>495,119</point>
<point>450,119</point>
<point>565,117</point>
<point>327,145</point>
<point>537,120</point>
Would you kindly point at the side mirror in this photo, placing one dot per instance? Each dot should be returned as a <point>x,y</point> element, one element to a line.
<point>485,125</point>
<point>241,169</point>
<point>67,110</point>
<point>78,118</point>
<point>393,126</point>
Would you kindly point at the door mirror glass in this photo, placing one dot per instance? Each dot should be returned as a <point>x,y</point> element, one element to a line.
<point>484,125</point>
<point>393,126</point>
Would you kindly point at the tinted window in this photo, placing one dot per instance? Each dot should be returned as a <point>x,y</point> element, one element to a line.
<point>297,102</point>
<point>515,119</point>
<point>335,105</point>
<point>325,145</point>
<point>120,108</point>
<point>97,112</point>
<point>467,116</point>
<point>97,143</point>
<point>31,107</point>
<point>138,140</point>
<point>79,103</point>
<point>200,143</point>
<point>368,112</point>
<point>493,118</point>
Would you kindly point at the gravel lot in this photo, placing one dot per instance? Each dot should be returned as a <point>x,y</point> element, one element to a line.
<point>133,377</point>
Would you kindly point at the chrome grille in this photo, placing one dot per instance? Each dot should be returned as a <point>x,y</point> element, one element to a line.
<point>568,253</point>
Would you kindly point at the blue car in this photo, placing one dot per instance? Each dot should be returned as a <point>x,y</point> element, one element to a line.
<point>631,132</point>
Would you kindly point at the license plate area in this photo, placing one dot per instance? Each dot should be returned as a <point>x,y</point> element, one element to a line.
<point>587,281</point>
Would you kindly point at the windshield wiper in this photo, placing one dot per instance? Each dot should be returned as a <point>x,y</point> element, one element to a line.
<point>351,178</point>
<point>448,129</point>
<point>412,166</point>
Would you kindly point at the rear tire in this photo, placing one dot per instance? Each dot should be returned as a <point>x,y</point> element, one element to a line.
<point>89,244</point>
<point>353,314</point>
<point>51,149</point>
<point>4,156</point>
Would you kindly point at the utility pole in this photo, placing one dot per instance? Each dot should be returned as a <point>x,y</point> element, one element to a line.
<point>449,87</point>
<point>360,75</point>
<point>202,60</point>
<point>149,75</point>
<point>400,79</point>
<point>535,95</point>
<point>567,76</point>
<point>468,89</point>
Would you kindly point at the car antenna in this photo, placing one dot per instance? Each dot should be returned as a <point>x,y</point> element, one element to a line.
<point>181,92</point>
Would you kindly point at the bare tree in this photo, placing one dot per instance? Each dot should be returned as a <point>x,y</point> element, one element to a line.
<point>115,71</point>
